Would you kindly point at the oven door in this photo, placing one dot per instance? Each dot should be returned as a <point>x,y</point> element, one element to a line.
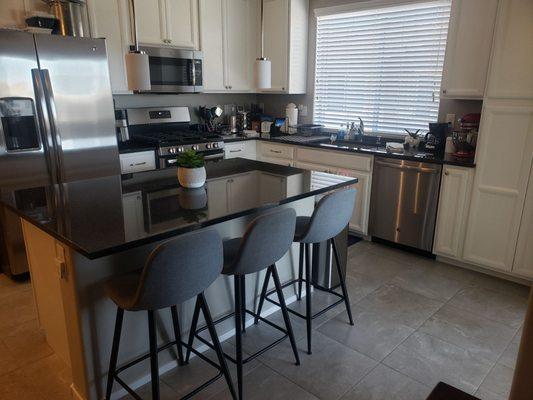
<point>174,71</point>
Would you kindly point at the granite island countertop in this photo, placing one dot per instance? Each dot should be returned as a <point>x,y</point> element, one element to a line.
<point>103,216</point>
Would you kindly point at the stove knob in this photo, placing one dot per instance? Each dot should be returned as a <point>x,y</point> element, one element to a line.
<point>172,150</point>
<point>215,145</point>
<point>209,145</point>
<point>180,149</point>
<point>195,147</point>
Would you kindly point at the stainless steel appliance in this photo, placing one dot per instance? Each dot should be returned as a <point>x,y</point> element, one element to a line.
<point>174,70</point>
<point>168,128</point>
<point>404,201</point>
<point>56,111</point>
<point>72,17</point>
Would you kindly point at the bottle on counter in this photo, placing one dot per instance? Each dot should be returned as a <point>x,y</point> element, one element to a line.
<point>341,133</point>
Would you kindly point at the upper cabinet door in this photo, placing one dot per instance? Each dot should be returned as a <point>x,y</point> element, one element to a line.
<point>276,41</point>
<point>504,157</point>
<point>511,63</point>
<point>239,20</point>
<point>151,21</point>
<point>211,43</point>
<point>468,48</point>
<point>182,23</point>
<point>109,19</point>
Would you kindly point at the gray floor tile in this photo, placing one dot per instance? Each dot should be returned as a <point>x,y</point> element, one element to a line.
<point>145,392</point>
<point>375,266</point>
<point>372,335</point>
<point>15,385</point>
<point>395,254</point>
<point>8,361</point>
<point>328,373</point>
<point>499,380</point>
<point>483,337</point>
<point>184,379</point>
<point>508,309</point>
<point>429,360</point>
<point>383,383</point>
<point>499,285</point>
<point>265,384</point>
<point>427,281</point>
<point>400,305</point>
<point>509,356</point>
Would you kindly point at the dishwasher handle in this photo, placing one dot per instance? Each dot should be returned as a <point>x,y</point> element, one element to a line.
<point>408,167</point>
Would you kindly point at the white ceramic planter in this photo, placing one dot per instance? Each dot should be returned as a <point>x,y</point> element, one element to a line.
<point>191,177</point>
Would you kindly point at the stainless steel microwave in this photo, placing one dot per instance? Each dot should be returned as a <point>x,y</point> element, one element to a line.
<point>175,70</point>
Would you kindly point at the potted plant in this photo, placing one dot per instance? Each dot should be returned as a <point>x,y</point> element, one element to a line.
<point>191,169</point>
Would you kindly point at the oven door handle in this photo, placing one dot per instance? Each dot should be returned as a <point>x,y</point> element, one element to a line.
<point>407,167</point>
<point>214,156</point>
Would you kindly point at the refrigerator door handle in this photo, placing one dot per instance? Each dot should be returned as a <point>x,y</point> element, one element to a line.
<point>52,114</point>
<point>44,123</point>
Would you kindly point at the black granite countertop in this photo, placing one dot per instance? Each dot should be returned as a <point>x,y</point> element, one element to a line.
<point>353,147</point>
<point>133,147</point>
<point>102,216</point>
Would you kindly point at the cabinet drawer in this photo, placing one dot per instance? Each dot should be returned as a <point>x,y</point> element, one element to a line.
<point>278,151</point>
<point>232,150</point>
<point>351,161</point>
<point>137,162</point>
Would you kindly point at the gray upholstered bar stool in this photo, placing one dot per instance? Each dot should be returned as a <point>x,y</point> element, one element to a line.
<point>332,214</point>
<point>174,272</point>
<point>267,239</point>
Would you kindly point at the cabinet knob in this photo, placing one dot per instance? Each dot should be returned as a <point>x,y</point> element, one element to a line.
<point>446,173</point>
<point>444,91</point>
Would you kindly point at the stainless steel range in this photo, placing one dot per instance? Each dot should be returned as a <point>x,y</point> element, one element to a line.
<point>169,130</point>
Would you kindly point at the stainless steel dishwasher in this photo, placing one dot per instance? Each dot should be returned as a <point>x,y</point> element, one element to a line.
<point>404,201</point>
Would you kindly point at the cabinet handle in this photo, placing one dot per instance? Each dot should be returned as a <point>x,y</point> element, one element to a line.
<point>444,91</point>
<point>275,151</point>
<point>235,151</point>
<point>139,163</point>
<point>446,173</point>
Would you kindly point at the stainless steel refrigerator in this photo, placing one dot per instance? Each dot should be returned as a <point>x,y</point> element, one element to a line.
<point>57,119</point>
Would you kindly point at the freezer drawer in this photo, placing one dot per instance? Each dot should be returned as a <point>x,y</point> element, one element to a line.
<point>404,201</point>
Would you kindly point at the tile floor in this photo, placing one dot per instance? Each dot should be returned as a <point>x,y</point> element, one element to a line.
<point>417,322</point>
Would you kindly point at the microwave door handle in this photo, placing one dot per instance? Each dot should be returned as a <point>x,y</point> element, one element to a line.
<point>192,70</point>
<point>52,113</point>
<point>43,123</point>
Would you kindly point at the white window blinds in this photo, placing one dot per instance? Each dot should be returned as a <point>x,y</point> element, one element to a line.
<point>383,65</point>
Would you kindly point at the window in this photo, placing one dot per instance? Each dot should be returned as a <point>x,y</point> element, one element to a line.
<point>381,64</point>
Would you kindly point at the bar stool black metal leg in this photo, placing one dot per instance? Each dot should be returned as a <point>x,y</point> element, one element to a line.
<point>154,368</point>
<point>216,345</point>
<point>114,352</point>
<point>243,302</point>
<point>342,278</point>
<point>308,315</point>
<point>285,313</point>
<point>192,332</point>
<point>177,333</point>
<point>300,272</point>
<point>263,294</point>
<point>238,334</point>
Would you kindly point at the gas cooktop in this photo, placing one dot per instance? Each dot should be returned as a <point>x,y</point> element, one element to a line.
<point>163,139</point>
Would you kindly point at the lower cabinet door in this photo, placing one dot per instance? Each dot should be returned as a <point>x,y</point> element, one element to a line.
<point>454,201</point>
<point>523,262</point>
<point>359,220</point>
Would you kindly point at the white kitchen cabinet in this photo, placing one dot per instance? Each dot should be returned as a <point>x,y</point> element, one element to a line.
<point>510,73</point>
<point>504,156</point>
<point>285,44</point>
<point>274,150</point>
<point>138,161</point>
<point>468,48</point>
<point>243,149</point>
<point>454,199</point>
<point>359,220</point>
<point>232,194</point>
<point>279,161</point>
<point>272,188</point>
<point>523,262</point>
<point>229,40</point>
<point>132,208</point>
<point>167,22</point>
<point>108,19</point>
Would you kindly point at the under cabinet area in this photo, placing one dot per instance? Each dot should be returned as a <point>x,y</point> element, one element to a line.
<point>454,199</point>
<point>468,48</point>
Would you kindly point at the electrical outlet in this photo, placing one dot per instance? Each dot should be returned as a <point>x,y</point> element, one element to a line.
<point>450,118</point>
<point>302,108</point>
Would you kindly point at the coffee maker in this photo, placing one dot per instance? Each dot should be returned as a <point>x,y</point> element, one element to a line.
<point>435,140</point>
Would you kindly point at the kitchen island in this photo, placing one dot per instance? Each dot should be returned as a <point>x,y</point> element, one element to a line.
<point>81,233</point>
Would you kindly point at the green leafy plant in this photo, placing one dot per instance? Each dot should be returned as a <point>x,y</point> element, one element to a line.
<point>191,159</point>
